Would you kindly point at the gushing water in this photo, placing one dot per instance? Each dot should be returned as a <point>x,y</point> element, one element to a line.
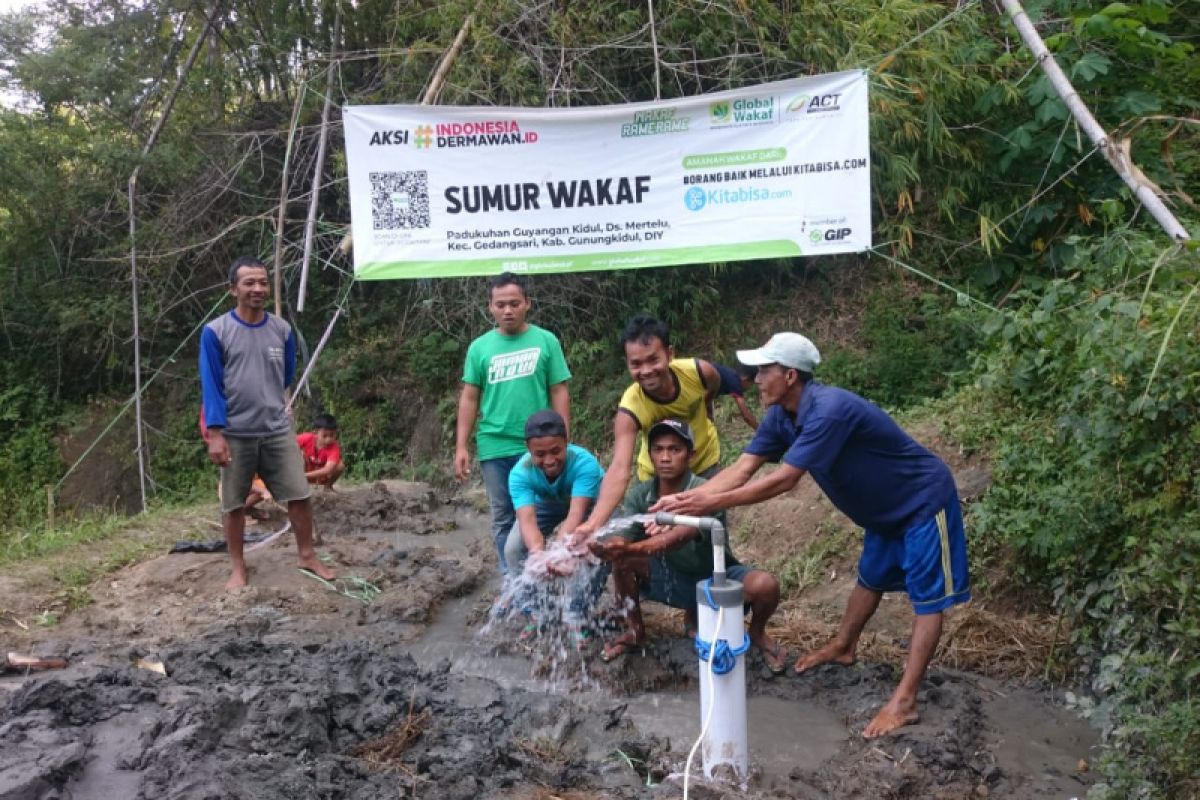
<point>552,605</point>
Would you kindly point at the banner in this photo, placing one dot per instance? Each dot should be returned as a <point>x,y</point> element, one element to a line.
<point>769,171</point>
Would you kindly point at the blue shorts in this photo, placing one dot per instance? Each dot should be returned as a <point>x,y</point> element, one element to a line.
<point>929,561</point>
<point>673,588</point>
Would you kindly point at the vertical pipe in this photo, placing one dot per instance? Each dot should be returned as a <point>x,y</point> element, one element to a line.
<point>724,746</point>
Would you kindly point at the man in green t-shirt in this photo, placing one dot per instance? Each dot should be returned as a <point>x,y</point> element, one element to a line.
<point>664,564</point>
<point>510,372</point>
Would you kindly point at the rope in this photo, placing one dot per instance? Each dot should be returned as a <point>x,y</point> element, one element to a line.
<point>958,292</point>
<point>721,658</point>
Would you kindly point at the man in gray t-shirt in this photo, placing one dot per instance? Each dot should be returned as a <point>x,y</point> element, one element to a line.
<point>247,359</point>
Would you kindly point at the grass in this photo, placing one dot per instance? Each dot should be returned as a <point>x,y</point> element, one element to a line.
<point>806,569</point>
<point>61,563</point>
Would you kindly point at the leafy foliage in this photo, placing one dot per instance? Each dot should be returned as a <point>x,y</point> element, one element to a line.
<point>979,177</point>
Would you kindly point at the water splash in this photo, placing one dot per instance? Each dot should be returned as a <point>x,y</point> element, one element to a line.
<point>552,607</point>
<point>621,524</point>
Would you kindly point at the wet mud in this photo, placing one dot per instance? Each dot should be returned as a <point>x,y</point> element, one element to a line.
<point>292,690</point>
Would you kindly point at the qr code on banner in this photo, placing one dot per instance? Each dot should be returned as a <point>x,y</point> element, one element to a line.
<point>400,200</point>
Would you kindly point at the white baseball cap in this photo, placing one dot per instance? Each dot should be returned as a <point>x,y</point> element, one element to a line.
<point>786,349</point>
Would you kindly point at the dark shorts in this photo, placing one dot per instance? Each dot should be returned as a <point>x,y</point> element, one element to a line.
<point>673,588</point>
<point>275,459</point>
<point>929,561</point>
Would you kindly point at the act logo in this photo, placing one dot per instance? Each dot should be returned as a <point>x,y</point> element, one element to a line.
<point>424,138</point>
<point>720,112</point>
<point>694,198</point>
<point>798,105</point>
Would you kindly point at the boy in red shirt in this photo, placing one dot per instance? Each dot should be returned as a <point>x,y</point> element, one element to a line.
<point>322,455</point>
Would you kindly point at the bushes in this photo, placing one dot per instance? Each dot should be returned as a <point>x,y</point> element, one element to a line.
<point>1093,413</point>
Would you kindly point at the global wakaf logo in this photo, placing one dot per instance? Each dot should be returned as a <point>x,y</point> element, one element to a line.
<point>720,112</point>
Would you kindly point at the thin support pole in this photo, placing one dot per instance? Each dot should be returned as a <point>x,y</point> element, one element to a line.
<point>283,199</point>
<point>654,43</point>
<point>311,223</point>
<point>1116,153</point>
<point>133,267</point>
<point>312,362</point>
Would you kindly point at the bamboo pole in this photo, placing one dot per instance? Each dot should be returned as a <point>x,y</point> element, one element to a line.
<point>283,200</point>
<point>311,223</point>
<point>439,76</point>
<point>312,362</point>
<point>654,42</point>
<point>133,269</point>
<point>1114,152</point>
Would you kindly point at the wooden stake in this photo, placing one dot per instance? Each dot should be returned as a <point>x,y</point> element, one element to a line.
<point>49,506</point>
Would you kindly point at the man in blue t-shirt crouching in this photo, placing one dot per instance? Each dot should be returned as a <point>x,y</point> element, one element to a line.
<point>872,471</point>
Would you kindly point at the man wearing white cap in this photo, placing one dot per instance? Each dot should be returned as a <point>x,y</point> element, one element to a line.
<point>900,493</point>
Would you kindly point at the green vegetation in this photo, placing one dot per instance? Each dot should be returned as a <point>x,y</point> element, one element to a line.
<point>809,567</point>
<point>1081,387</point>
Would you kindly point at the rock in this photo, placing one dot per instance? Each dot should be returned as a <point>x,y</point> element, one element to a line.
<point>992,774</point>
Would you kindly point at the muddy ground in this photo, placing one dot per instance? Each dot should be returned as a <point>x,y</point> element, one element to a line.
<point>292,689</point>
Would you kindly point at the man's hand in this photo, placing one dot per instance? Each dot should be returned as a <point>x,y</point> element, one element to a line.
<point>579,537</point>
<point>545,564</point>
<point>609,549</point>
<point>691,503</point>
<point>218,448</point>
<point>654,529</point>
<point>462,464</point>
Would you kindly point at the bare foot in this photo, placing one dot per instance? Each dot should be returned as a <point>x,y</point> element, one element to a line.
<point>237,580</point>
<point>892,716</point>
<point>832,653</point>
<point>315,566</point>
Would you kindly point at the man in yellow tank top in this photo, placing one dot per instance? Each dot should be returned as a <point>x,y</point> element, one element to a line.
<point>664,387</point>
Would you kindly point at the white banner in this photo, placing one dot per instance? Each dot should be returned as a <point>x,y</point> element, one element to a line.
<point>769,171</point>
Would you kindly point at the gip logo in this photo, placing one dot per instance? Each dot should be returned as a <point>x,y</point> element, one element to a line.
<point>694,198</point>
<point>815,235</point>
<point>720,112</point>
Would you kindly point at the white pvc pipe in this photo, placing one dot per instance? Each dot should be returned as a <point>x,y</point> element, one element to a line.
<point>725,740</point>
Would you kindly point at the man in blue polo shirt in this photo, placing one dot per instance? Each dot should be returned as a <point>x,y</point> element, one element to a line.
<point>900,493</point>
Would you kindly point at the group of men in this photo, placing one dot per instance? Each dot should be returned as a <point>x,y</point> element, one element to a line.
<point>514,385</point>
<point>515,398</point>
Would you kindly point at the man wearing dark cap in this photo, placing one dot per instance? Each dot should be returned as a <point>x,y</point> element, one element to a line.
<point>872,471</point>
<point>664,564</point>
